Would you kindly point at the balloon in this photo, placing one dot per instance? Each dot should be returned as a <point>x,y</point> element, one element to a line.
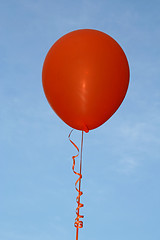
<point>85,78</point>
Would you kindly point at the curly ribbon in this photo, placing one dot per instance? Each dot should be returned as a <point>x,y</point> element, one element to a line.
<point>78,223</point>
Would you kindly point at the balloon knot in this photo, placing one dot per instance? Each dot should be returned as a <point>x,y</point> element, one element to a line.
<point>85,128</point>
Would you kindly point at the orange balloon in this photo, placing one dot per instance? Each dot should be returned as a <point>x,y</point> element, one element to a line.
<point>85,78</point>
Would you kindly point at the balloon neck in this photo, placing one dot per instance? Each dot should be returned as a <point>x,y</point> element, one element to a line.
<point>85,128</point>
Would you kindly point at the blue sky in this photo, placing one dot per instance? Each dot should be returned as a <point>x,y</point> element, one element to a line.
<point>121,160</point>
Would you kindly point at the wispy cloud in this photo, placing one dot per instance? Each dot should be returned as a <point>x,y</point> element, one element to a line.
<point>127,165</point>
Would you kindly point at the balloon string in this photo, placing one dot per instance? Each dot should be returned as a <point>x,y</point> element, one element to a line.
<point>78,223</point>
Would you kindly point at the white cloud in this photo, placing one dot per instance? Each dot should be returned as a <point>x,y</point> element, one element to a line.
<point>127,165</point>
